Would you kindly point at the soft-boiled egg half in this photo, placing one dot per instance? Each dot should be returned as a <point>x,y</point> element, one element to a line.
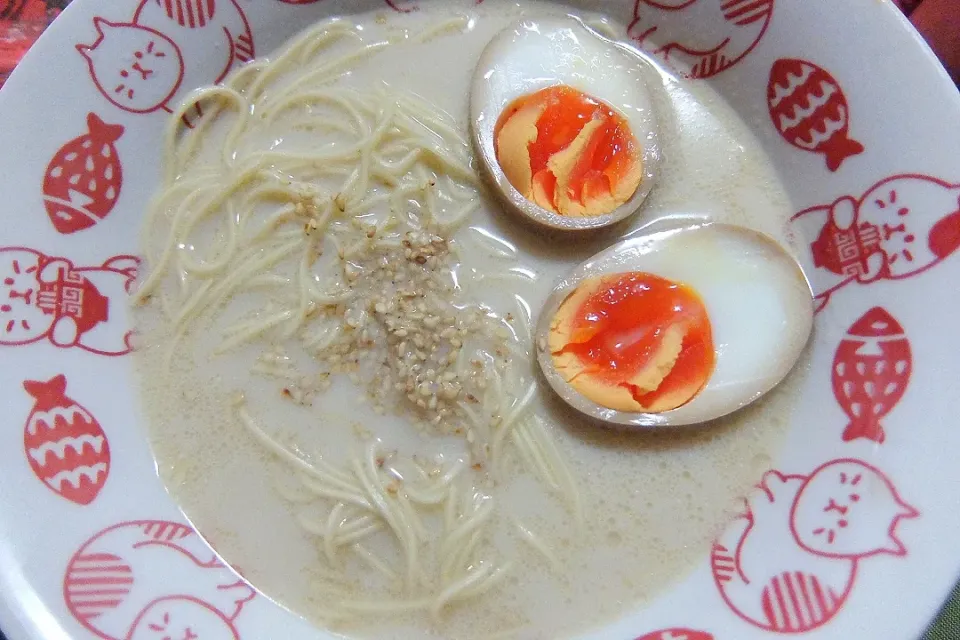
<point>677,326</point>
<point>565,124</point>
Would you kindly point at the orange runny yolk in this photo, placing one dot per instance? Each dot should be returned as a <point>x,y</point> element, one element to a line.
<point>634,342</point>
<point>568,152</point>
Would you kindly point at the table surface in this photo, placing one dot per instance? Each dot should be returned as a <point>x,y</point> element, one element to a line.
<point>22,21</point>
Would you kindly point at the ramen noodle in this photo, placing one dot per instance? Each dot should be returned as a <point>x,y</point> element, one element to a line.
<point>336,352</point>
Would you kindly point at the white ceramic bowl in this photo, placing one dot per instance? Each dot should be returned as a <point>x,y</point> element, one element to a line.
<point>861,122</point>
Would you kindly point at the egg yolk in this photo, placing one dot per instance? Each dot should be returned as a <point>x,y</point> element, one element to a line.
<point>633,342</point>
<point>568,152</point>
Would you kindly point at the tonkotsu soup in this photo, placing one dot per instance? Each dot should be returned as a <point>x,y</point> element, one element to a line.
<point>336,354</point>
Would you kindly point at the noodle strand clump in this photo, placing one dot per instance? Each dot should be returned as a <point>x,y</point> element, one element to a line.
<point>340,243</point>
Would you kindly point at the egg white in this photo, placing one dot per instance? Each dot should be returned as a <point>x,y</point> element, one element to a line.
<point>756,296</point>
<point>537,54</point>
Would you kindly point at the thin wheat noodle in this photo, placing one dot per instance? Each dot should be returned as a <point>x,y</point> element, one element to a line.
<point>270,224</point>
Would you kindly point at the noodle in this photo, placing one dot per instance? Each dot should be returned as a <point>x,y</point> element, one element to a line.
<point>272,214</point>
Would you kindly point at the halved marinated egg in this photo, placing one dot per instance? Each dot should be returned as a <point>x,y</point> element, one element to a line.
<point>565,124</point>
<point>678,326</point>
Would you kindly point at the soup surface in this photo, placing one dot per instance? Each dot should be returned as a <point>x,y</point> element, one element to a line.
<point>336,356</point>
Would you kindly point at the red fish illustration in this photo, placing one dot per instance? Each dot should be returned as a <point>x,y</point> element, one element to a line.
<point>677,634</point>
<point>84,178</point>
<point>65,445</point>
<point>871,371</point>
<point>810,111</point>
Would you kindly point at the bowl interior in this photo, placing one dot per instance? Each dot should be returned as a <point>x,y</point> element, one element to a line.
<point>869,164</point>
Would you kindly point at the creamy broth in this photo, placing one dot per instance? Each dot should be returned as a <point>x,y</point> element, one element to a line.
<point>646,505</point>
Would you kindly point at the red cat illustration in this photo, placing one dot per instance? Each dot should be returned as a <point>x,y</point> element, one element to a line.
<point>182,617</point>
<point>153,580</point>
<point>788,563</point>
<point>900,227</point>
<point>48,298</point>
<point>165,51</point>
<point>724,32</point>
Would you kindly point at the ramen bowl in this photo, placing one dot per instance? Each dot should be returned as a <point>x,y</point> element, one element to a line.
<point>807,515</point>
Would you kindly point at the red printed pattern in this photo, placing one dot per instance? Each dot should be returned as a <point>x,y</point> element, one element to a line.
<point>901,227</point>
<point>677,634</point>
<point>65,445</point>
<point>147,64</point>
<point>779,599</point>
<point>153,579</point>
<point>84,178</point>
<point>48,298</point>
<point>809,109</point>
<point>400,6</point>
<point>871,370</point>
<point>789,561</point>
<point>727,30</point>
<point>189,13</point>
